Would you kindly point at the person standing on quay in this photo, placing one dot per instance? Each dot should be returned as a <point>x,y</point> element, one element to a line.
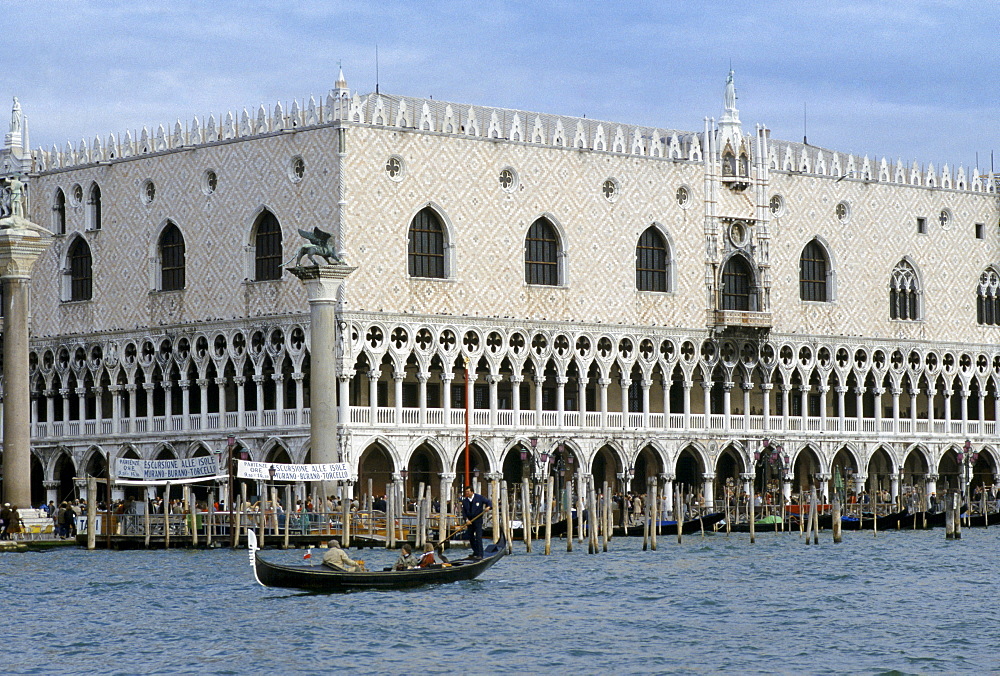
<point>473,506</point>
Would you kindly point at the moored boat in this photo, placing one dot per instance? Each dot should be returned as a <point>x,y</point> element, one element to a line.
<point>689,527</point>
<point>325,579</point>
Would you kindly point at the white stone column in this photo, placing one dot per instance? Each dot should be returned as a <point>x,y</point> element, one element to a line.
<point>727,405</point>
<point>877,401</point>
<point>186,404</point>
<point>561,381</point>
<point>747,387</point>
<point>896,391</point>
<point>841,402</point>
<point>344,396</point>
<point>708,491</point>
<point>965,410</point>
<point>323,283</point>
<point>446,378</point>
<point>823,390</point>
<point>21,244</point>
<point>645,383</point>
<point>397,395</point>
<point>241,401</point>
<point>625,383</point>
<point>785,401</point>
<point>894,487</point>
<point>493,381</point>
<point>116,408</point>
<point>373,377</point>
<point>603,385</point>
<point>824,486</point>
<point>539,381</point>
<point>765,389</point>
<point>515,397</point>
<point>581,398</point>
<point>422,378</point>
<point>668,492</point>
<point>687,404</point>
<point>946,402</point>
<point>300,397</point>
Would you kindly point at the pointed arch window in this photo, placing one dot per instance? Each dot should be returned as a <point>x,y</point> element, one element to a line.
<point>988,298</point>
<point>651,261</point>
<point>541,254</point>
<point>737,285</point>
<point>267,248</point>
<point>904,293</point>
<point>80,271</point>
<point>171,259</point>
<point>94,208</point>
<point>426,246</point>
<point>813,270</point>
<point>59,212</point>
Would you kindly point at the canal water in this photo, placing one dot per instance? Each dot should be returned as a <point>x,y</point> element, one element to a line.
<point>910,603</point>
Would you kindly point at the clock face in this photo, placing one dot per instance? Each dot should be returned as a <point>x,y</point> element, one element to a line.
<point>738,233</point>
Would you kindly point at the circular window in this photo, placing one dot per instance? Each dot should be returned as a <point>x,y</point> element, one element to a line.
<point>508,179</point>
<point>210,181</point>
<point>394,167</point>
<point>683,197</point>
<point>945,219</point>
<point>738,233</point>
<point>843,211</point>
<point>148,192</point>
<point>296,169</point>
<point>611,189</point>
<point>777,205</point>
<point>77,194</point>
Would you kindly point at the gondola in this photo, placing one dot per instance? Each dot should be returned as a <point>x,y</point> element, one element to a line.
<point>689,527</point>
<point>323,579</point>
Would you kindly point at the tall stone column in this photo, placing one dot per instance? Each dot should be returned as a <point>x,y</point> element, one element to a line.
<point>322,283</point>
<point>21,244</point>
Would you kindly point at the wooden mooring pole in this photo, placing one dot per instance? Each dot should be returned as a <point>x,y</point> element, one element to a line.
<point>837,525</point>
<point>549,485</point>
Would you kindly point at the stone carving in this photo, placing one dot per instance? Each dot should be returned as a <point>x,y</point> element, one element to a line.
<point>320,246</point>
<point>15,117</point>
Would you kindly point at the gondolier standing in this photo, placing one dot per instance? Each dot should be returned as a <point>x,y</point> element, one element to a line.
<point>473,506</point>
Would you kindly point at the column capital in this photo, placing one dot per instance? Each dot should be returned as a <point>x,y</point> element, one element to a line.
<point>447,476</point>
<point>322,282</point>
<point>423,376</point>
<point>493,379</point>
<point>399,376</point>
<point>604,382</point>
<point>765,387</point>
<point>747,476</point>
<point>562,380</point>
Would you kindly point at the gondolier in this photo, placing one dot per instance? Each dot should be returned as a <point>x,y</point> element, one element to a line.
<point>474,506</point>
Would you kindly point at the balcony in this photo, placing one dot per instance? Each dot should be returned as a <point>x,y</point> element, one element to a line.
<point>386,419</point>
<point>722,319</point>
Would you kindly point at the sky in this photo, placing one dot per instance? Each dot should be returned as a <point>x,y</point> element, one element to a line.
<point>911,80</point>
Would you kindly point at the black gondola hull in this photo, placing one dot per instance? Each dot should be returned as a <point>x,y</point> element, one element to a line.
<point>323,579</point>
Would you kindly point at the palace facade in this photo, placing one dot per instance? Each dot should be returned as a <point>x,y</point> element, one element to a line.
<point>705,307</point>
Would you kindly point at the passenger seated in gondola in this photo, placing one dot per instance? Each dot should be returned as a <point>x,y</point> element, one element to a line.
<point>338,559</point>
<point>406,559</point>
<point>433,558</point>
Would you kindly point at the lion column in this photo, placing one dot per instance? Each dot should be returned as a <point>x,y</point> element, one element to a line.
<point>322,283</point>
<point>21,244</point>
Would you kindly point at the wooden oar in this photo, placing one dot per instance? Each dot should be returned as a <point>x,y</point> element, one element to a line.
<point>460,529</point>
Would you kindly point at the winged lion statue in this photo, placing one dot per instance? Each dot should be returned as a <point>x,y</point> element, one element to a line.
<point>319,245</point>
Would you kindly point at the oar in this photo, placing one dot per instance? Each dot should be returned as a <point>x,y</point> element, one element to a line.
<point>461,528</point>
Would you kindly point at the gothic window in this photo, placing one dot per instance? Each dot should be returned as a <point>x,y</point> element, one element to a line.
<point>171,259</point>
<point>426,247</point>
<point>813,269</point>
<point>267,248</point>
<point>988,300</point>
<point>904,293</point>
<point>59,213</point>
<point>651,261</point>
<point>736,284</point>
<point>541,254</point>
<point>94,208</point>
<point>80,276</point>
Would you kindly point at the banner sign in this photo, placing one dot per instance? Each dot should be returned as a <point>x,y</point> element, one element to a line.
<point>167,470</point>
<point>274,471</point>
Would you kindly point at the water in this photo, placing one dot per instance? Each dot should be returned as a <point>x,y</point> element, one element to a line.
<point>905,602</point>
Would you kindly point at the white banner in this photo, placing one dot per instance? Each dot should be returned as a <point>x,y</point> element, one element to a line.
<point>274,471</point>
<point>167,470</point>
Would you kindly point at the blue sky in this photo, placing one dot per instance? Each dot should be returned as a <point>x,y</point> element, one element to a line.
<point>915,80</point>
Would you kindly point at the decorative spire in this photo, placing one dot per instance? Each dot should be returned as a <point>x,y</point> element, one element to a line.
<point>341,82</point>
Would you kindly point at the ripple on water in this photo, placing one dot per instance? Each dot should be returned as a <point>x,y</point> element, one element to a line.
<point>899,603</point>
